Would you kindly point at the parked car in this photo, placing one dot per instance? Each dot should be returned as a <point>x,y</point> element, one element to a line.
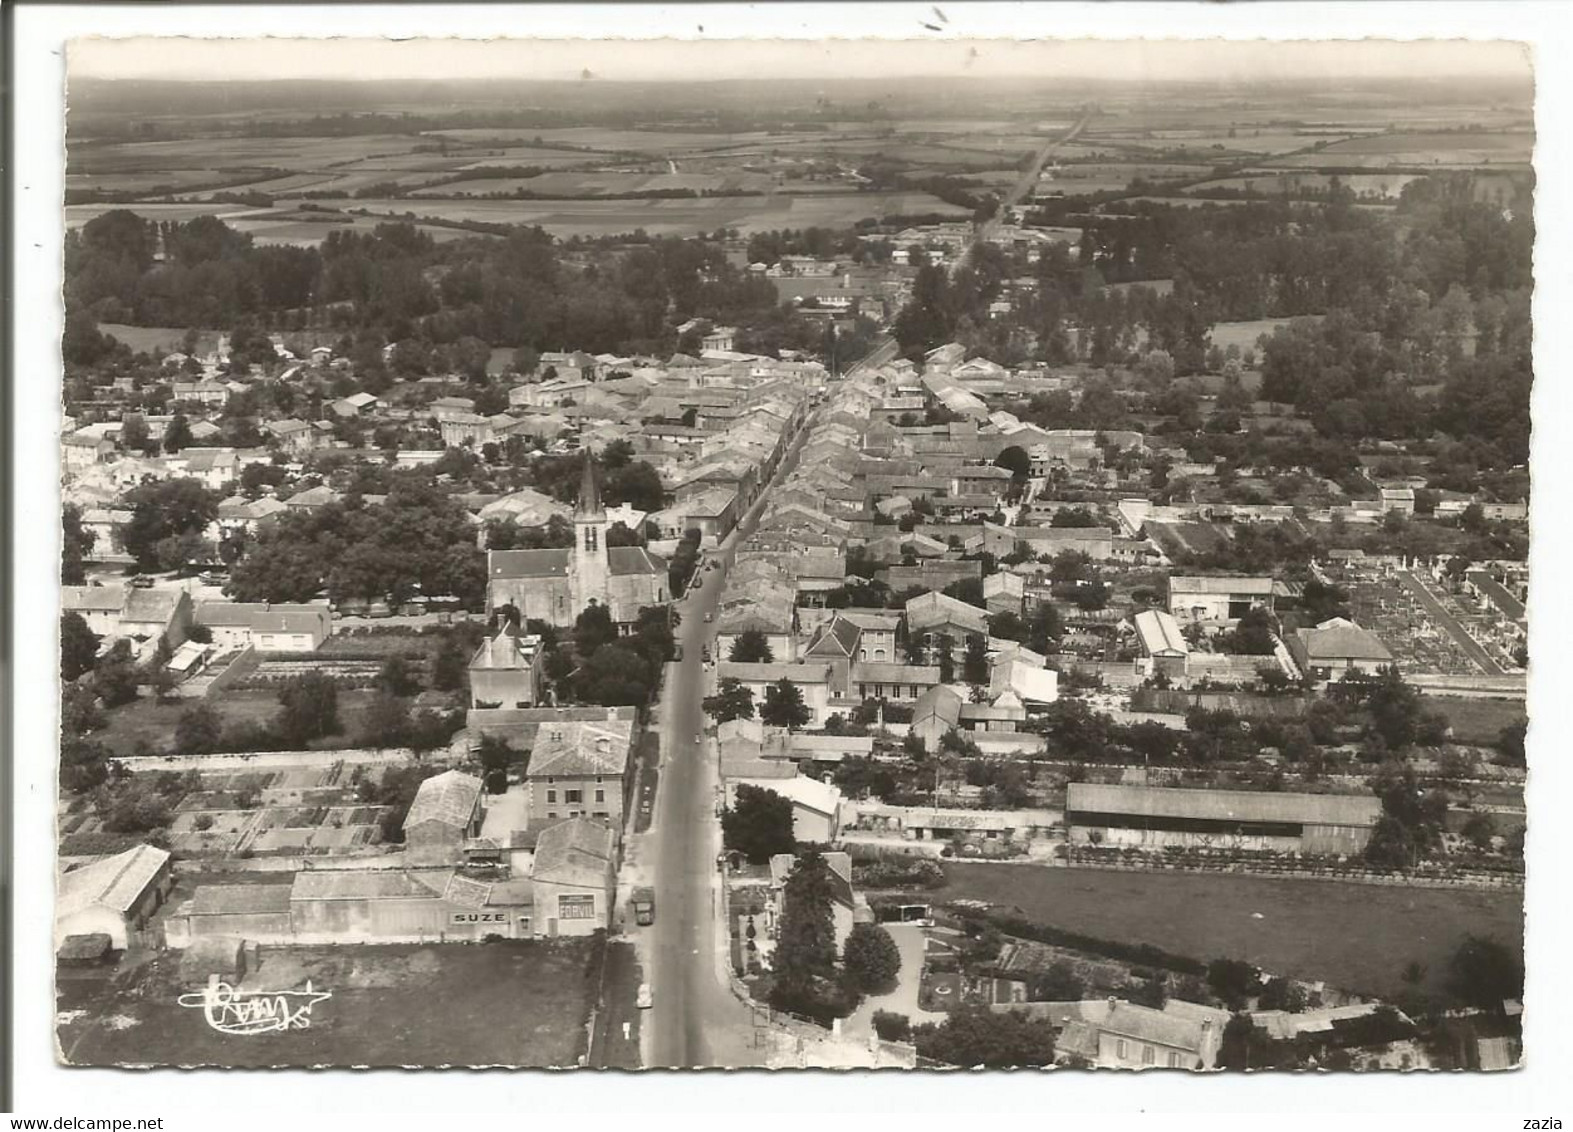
<point>142,582</point>
<point>709,617</point>
<point>645,999</point>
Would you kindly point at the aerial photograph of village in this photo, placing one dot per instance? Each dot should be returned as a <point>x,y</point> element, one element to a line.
<point>992,568</point>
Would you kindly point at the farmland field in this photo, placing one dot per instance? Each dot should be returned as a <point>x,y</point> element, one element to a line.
<point>380,1013</point>
<point>1342,933</point>
<point>597,183</point>
<point>1377,184</point>
<point>236,153</point>
<point>671,217</point>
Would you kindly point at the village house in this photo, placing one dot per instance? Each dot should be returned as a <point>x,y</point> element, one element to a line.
<point>1337,647</point>
<point>578,769</point>
<point>506,671</point>
<point>266,627</point>
<point>812,680</point>
<point>1218,598</point>
<point>574,877</point>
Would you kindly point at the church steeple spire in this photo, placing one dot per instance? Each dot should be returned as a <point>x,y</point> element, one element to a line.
<point>589,491</point>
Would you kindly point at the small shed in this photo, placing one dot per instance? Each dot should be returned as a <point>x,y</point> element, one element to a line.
<point>89,949</point>
<point>214,955</point>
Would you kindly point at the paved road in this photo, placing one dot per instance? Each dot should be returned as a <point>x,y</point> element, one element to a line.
<point>696,1020</point>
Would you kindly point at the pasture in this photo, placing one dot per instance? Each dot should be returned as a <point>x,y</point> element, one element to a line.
<point>1357,937</point>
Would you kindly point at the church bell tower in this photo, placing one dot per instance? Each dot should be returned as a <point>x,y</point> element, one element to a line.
<point>591,572</point>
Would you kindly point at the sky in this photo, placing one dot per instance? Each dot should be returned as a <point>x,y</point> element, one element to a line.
<point>939,54</point>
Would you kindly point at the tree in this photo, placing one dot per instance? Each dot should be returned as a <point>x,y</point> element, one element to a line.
<point>386,722</point>
<point>497,758</point>
<point>198,731</point>
<point>115,677</point>
<point>177,434</point>
<point>76,544</point>
<point>732,700</point>
<point>592,629</point>
<point>1510,742</point>
<point>751,647</point>
<point>1059,983</point>
<point>975,664</point>
<point>947,658</point>
<point>758,824</point>
<point>892,1027</point>
<point>396,679</point>
<point>870,959</point>
<point>1234,981</point>
<point>78,646</point>
<point>163,509</point>
<point>1412,820</point>
<point>616,675</point>
<point>977,1036</point>
<point>784,706</point>
<point>806,944</point>
<point>450,667</point>
<point>1484,973</point>
<point>308,709</point>
<point>1280,993</point>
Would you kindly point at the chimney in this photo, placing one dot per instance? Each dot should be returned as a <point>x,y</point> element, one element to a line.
<point>1113,1002</point>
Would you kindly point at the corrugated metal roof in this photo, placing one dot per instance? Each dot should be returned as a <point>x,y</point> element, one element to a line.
<point>1220,584</point>
<point>359,884</point>
<point>240,899</point>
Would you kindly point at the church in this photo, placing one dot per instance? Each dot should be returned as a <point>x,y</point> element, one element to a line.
<point>557,585</point>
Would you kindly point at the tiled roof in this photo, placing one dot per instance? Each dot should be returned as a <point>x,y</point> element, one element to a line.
<point>580,748</point>
<point>577,852</point>
<point>633,560</point>
<point>529,563</point>
<point>449,798</point>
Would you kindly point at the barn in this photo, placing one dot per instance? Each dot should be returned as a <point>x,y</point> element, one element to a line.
<point>1156,817</point>
<point>446,812</point>
<point>116,895</point>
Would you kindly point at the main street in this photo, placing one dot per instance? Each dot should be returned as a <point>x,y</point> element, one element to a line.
<point>695,1020</point>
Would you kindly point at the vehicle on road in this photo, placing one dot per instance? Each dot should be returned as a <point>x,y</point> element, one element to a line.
<point>645,1000</point>
<point>142,582</point>
<point>709,617</point>
<point>704,654</point>
<point>699,736</point>
<point>644,906</point>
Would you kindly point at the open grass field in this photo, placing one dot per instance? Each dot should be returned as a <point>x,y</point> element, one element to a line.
<point>147,339</point>
<point>1243,334</point>
<point>515,1003</point>
<point>147,720</point>
<point>1477,722</point>
<point>1357,937</point>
